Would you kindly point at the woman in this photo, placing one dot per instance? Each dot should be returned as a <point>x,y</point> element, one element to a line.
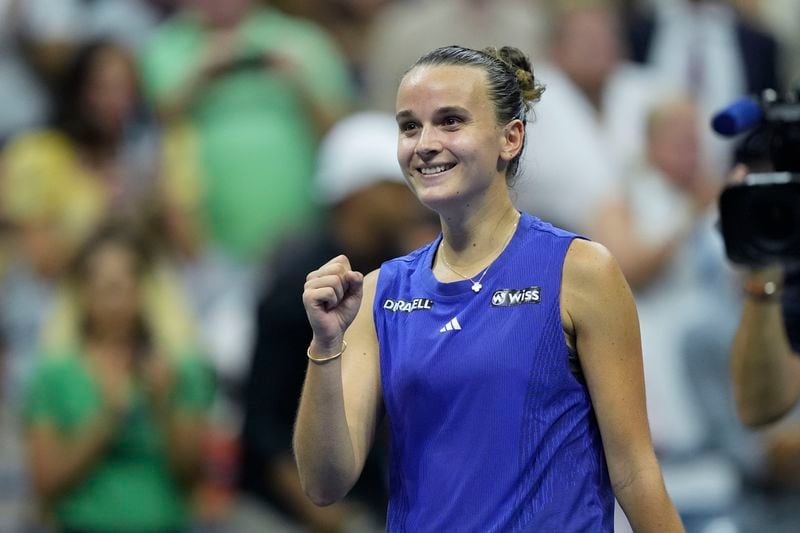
<point>98,156</point>
<point>115,416</point>
<point>506,353</point>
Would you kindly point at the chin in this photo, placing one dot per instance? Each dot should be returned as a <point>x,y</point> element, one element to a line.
<point>439,200</point>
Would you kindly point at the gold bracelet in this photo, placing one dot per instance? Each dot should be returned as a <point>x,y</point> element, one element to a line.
<point>329,358</point>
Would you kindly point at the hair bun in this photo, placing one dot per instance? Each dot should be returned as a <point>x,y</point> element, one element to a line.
<point>519,63</point>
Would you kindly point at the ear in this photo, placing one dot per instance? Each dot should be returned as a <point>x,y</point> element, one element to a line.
<point>513,137</point>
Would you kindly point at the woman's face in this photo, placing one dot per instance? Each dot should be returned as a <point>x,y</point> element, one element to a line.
<point>674,146</point>
<point>110,291</point>
<point>109,93</point>
<point>587,47</point>
<point>221,13</point>
<point>450,146</point>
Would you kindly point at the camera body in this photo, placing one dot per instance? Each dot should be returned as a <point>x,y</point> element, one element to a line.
<point>760,217</point>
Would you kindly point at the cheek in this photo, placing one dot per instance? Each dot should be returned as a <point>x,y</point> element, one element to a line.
<point>475,152</point>
<point>405,149</point>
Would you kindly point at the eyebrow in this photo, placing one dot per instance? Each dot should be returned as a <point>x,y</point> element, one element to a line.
<point>441,111</point>
<point>458,110</point>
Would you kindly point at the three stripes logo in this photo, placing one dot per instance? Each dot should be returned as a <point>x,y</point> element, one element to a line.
<point>451,325</point>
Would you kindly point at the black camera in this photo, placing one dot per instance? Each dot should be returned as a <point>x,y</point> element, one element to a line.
<point>760,217</point>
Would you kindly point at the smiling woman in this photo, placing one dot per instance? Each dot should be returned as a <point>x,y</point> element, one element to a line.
<point>522,404</point>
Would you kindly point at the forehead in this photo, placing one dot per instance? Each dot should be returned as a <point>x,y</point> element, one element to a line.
<point>427,88</point>
<point>111,254</point>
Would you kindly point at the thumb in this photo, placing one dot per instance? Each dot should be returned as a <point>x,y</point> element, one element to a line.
<point>738,174</point>
<point>355,282</point>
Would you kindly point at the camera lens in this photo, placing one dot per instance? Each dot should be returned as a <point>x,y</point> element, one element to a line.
<point>775,220</point>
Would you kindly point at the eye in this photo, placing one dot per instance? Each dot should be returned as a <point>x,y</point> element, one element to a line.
<point>408,127</point>
<point>452,121</point>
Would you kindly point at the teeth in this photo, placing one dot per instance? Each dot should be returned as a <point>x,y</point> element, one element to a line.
<point>434,170</point>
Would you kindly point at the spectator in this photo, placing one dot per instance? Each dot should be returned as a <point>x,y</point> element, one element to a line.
<point>702,47</point>
<point>596,106</point>
<point>258,88</point>
<point>96,158</point>
<point>688,302</point>
<point>115,411</point>
<point>37,40</point>
<point>670,178</point>
<point>372,217</point>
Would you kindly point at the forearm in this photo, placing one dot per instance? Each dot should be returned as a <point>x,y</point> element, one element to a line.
<point>641,263</point>
<point>60,464</point>
<point>179,102</point>
<point>183,436</point>
<point>640,260</point>
<point>642,495</point>
<point>766,378</point>
<point>322,113</point>
<point>322,442</point>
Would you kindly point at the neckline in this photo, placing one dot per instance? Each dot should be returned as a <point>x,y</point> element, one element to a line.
<point>460,287</point>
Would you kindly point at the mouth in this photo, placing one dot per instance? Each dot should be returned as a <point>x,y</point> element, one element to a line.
<point>435,170</point>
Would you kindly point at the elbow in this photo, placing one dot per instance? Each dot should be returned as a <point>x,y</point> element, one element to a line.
<point>757,410</point>
<point>323,487</point>
<point>321,499</point>
<point>325,476</point>
<point>755,418</point>
<point>319,494</point>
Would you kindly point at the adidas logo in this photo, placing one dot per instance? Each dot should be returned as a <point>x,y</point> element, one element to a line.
<point>451,325</point>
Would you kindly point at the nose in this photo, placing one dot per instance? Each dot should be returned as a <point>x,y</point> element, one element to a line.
<point>428,143</point>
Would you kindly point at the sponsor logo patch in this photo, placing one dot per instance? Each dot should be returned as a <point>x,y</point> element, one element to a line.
<point>403,306</point>
<point>509,297</point>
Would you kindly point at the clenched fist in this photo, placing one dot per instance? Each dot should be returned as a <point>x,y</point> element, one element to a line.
<point>332,296</point>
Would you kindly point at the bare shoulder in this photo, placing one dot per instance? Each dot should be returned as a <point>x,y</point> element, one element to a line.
<point>370,286</point>
<point>371,280</point>
<point>363,323</point>
<point>588,263</point>
<point>591,280</point>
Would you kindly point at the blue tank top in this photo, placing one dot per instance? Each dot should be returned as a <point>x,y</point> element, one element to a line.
<point>490,428</point>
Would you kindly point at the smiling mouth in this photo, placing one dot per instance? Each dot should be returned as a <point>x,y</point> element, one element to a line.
<point>435,170</point>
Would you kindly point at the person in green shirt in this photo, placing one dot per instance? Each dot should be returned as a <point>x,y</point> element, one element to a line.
<point>115,420</point>
<point>258,89</point>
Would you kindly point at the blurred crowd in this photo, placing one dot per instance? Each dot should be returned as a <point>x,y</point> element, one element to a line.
<point>170,170</point>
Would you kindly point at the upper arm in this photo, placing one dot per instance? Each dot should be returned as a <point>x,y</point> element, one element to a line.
<point>43,440</point>
<point>598,310</point>
<point>361,378</point>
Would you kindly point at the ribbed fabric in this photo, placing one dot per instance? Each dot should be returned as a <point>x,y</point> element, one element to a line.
<point>490,431</point>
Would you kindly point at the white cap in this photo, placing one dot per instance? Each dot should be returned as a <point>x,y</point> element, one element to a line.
<point>357,152</point>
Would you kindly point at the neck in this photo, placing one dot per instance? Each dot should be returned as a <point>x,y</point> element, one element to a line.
<point>112,339</point>
<point>101,152</point>
<point>473,239</point>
